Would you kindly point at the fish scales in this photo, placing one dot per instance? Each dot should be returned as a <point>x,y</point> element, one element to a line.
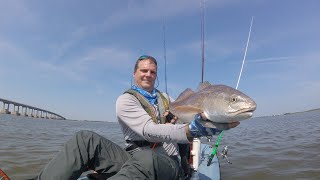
<point>220,103</point>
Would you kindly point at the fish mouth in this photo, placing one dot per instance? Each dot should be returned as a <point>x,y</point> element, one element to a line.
<point>249,110</point>
<point>246,111</point>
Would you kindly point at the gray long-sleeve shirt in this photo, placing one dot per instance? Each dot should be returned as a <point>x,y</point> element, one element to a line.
<point>137,125</point>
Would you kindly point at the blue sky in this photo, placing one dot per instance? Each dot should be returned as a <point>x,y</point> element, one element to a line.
<point>76,57</point>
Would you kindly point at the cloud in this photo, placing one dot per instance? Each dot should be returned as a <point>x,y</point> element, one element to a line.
<point>310,88</point>
<point>9,51</point>
<point>148,10</point>
<point>15,13</point>
<point>76,67</point>
<point>61,49</point>
<point>101,57</point>
<point>307,62</point>
<point>144,11</point>
<point>82,67</point>
<point>273,59</point>
<point>16,59</point>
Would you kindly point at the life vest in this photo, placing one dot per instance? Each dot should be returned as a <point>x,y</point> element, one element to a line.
<point>163,105</point>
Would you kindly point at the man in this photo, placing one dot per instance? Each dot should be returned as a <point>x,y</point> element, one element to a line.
<point>151,145</point>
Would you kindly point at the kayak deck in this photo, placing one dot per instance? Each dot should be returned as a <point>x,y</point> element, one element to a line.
<point>205,172</point>
<point>201,155</point>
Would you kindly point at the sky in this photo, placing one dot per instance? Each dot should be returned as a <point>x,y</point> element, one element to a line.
<point>75,58</point>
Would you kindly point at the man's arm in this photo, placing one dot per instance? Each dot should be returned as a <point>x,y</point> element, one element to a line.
<point>130,112</point>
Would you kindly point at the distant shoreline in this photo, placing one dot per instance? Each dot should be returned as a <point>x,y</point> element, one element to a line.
<point>317,109</point>
<point>290,113</point>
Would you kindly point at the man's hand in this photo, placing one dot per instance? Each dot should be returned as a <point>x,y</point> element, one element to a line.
<point>170,118</point>
<point>197,130</point>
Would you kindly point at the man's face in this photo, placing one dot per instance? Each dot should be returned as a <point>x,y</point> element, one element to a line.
<point>146,74</point>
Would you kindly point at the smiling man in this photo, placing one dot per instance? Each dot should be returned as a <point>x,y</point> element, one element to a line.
<point>151,150</point>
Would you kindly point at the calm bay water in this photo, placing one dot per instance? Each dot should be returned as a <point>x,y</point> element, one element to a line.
<point>278,147</point>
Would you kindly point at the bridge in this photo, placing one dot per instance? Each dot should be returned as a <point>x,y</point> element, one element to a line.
<point>27,110</point>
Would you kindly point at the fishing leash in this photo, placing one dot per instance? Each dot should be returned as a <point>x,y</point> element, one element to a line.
<point>215,149</point>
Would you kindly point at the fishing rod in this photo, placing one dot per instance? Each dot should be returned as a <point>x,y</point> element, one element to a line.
<point>165,56</point>
<point>214,151</point>
<point>202,38</point>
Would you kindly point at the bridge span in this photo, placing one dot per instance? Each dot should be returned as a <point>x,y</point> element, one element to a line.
<point>27,110</point>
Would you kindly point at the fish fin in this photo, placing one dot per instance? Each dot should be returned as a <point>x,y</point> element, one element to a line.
<point>185,94</point>
<point>203,85</point>
<point>207,124</point>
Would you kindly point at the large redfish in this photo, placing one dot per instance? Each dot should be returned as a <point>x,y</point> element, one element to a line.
<point>220,104</point>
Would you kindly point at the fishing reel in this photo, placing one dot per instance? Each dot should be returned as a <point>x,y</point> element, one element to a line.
<point>224,153</point>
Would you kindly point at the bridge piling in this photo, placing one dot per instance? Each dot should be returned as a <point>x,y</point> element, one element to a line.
<point>27,110</point>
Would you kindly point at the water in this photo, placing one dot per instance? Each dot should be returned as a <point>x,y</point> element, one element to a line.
<point>27,144</point>
<point>278,147</point>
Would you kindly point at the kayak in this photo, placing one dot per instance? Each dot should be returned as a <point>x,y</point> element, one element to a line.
<point>200,153</point>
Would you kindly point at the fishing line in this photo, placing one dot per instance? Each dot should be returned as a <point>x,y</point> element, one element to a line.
<point>245,53</point>
<point>244,58</point>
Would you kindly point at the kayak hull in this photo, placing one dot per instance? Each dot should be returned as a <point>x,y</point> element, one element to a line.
<point>201,152</point>
<point>207,172</point>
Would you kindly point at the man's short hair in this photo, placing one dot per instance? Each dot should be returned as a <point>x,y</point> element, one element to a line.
<point>144,57</point>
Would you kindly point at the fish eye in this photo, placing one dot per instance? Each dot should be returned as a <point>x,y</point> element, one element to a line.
<point>234,99</point>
